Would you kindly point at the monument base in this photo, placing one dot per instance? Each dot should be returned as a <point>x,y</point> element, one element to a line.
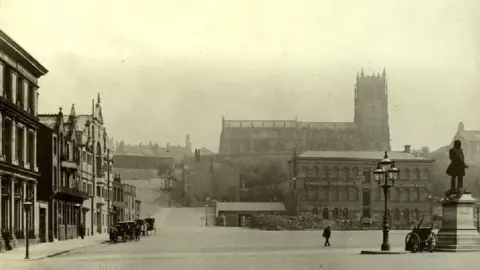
<point>458,232</point>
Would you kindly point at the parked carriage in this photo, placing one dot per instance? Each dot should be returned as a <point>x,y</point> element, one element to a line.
<point>421,239</point>
<point>151,225</point>
<point>122,230</point>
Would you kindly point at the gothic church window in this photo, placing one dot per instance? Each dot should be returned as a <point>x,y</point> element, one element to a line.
<point>342,194</point>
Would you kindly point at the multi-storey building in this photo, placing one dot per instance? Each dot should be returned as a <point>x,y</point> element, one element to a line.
<point>60,182</point>
<point>19,74</point>
<point>138,208</point>
<point>118,202</point>
<point>129,197</point>
<point>341,185</point>
<point>97,176</point>
<point>368,131</point>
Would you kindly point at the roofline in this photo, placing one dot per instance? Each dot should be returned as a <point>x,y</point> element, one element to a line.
<point>15,46</point>
<point>137,155</point>
<point>426,160</point>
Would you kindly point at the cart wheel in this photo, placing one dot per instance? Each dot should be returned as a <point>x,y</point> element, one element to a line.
<point>432,241</point>
<point>412,242</point>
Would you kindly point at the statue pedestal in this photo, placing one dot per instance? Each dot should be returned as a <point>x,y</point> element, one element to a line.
<point>458,232</point>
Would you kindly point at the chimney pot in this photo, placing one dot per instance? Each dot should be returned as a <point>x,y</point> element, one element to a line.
<point>407,148</point>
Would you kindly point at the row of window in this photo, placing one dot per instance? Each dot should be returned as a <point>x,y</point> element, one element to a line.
<point>342,213</point>
<point>68,213</point>
<point>343,173</point>
<point>332,194</point>
<point>18,142</point>
<point>71,152</point>
<point>17,89</point>
<point>351,194</point>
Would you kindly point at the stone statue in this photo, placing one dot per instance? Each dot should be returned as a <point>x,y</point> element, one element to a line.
<point>456,169</point>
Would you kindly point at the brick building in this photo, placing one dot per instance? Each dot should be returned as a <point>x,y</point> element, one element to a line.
<point>368,131</point>
<point>341,185</point>
<point>19,74</point>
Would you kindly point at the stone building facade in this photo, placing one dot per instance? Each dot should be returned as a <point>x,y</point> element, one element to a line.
<point>60,181</point>
<point>96,170</point>
<point>129,198</point>
<point>19,74</point>
<point>368,131</point>
<point>341,185</point>
<point>119,204</point>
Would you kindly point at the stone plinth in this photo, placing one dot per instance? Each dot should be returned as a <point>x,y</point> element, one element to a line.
<point>458,232</point>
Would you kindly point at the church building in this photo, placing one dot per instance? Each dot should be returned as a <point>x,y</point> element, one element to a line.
<point>368,131</point>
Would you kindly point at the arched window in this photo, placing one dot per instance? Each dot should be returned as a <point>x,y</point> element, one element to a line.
<point>325,213</point>
<point>405,174</point>
<point>317,172</point>
<point>332,194</point>
<point>335,213</point>
<point>417,214</point>
<point>397,214</point>
<point>406,215</point>
<point>342,194</point>
<point>345,213</point>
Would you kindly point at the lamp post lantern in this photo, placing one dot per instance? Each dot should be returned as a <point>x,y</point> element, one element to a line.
<point>385,175</point>
<point>27,205</point>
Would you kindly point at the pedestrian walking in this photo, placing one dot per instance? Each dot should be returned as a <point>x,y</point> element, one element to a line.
<point>82,231</point>
<point>326,234</point>
<point>7,237</point>
<point>137,233</point>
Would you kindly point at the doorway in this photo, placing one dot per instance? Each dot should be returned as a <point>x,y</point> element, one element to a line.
<point>42,225</point>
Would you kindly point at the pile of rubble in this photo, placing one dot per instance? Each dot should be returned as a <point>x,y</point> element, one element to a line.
<point>277,222</point>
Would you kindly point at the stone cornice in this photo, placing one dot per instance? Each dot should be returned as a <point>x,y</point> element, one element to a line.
<point>11,44</point>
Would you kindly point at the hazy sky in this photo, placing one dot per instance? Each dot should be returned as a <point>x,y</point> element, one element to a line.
<point>167,68</point>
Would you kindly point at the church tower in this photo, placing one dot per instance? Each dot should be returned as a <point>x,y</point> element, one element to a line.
<point>371,111</point>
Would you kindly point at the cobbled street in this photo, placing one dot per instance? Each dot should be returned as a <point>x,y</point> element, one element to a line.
<point>182,242</point>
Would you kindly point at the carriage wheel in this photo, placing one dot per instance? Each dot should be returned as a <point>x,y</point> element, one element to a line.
<point>432,241</point>
<point>412,242</point>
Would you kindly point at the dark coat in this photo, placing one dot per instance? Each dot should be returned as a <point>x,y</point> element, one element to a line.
<point>457,163</point>
<point>326,233</point>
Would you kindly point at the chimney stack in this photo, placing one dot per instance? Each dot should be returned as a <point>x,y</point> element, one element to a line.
<point>407,148</point>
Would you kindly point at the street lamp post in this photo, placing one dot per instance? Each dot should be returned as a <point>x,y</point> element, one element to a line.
<point>385,175</point>
<point>27,205</point>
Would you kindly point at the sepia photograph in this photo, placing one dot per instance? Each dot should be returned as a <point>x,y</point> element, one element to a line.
<point>239,134</point>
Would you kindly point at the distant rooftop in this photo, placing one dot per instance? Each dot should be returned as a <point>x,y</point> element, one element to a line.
<point>367,155</point>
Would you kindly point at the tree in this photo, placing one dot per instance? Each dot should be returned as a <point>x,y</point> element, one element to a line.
<point>264,177</point>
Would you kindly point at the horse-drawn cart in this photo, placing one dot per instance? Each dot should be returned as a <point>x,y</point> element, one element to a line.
<point>151,225</point>
<point>421,239</point>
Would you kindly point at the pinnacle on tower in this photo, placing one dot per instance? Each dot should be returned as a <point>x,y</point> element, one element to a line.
<point>384,73</point>
<point>361,73</point>
<point>98,98</point>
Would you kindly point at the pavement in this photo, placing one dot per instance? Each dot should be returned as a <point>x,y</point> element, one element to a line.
<point>50,249</point>
<point>181,242</point>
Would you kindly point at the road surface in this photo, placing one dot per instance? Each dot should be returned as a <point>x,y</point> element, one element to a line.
<point>182,242</point>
